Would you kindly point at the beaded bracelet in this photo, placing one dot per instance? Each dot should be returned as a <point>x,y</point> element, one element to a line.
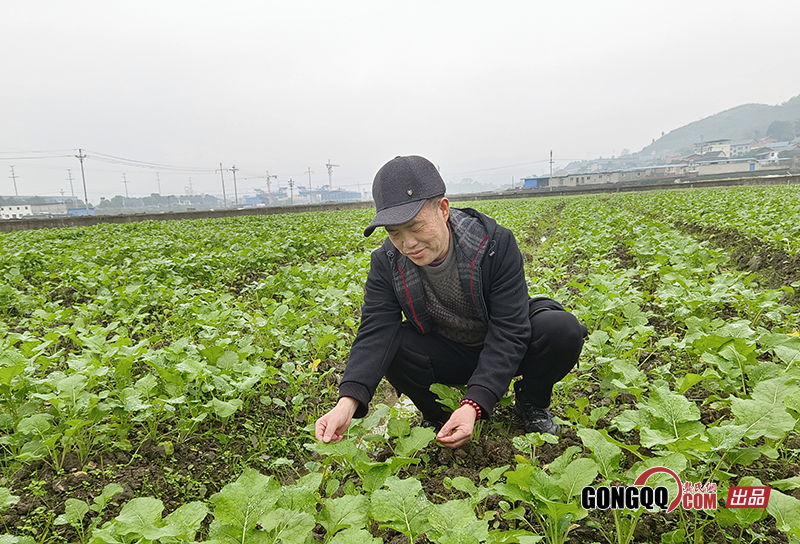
<point>474,405</point>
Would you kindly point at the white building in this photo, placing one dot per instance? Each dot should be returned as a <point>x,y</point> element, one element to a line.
<point>713,146</point>
<point>17,211</point>
<point>741,147</point>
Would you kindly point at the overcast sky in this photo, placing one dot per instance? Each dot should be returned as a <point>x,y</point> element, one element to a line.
<point>483,89</point>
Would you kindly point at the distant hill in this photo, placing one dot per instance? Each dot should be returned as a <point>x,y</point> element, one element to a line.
<point>739,123</point>
<point>468,185</point>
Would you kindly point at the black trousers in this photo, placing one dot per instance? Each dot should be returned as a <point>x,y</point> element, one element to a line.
<point>424,359</point>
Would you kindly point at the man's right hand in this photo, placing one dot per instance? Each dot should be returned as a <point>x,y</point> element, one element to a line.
<point>335,423</point>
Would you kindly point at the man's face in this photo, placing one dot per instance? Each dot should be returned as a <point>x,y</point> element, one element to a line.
<point>425,238</point>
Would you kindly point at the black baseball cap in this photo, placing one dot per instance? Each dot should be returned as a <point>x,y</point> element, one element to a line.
<point>401,188</point>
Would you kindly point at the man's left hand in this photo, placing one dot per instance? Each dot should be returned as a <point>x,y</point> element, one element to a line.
<point>458,429</point>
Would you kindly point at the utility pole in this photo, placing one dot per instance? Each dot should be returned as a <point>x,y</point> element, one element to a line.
<point>222,177</point>
<point>330,174</point>
<point>80,157</point>
<point>71,189</point>
<point>269,189</point>
<point>14,177</point>
<point>551,165</point>
<point>309,172</point>
<point>235,192</point>
<point>291,193</point>
<point>158,179</point>
<point>310,187</point>
<point>125,181</point>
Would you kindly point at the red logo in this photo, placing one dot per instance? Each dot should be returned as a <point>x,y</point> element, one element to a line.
<point>691,496</point>
<point>748,497</point>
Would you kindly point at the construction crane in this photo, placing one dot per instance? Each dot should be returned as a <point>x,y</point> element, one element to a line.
<point>330,174</point>
<point>269,187</point>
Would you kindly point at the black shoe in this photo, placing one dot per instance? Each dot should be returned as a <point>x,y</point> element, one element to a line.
<point>535,419</point>
<point>429,423</point>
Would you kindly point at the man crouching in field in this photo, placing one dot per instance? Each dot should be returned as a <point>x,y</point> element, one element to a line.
<point>458,278</point>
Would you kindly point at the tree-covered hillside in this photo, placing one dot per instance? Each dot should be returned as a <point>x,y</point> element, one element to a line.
<point>741,122</point>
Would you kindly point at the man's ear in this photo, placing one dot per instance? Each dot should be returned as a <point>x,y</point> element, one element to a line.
<point>444,207</point>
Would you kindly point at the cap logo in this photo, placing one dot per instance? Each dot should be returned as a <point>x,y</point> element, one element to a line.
<point>410,192</point>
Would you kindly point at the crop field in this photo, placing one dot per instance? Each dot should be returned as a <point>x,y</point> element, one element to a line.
<point>159,381</point>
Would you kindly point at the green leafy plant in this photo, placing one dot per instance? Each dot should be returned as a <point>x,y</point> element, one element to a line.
<point>76,510</point>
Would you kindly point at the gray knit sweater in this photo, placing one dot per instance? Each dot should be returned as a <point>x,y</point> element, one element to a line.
<point>453,313</point>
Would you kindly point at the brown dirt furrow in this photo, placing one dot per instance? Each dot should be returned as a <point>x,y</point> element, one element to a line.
<point>750,254</point>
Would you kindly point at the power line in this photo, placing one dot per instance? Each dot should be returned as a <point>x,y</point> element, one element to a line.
<point>32,151</point>
<point>143,164</point>
<point>33,158</point>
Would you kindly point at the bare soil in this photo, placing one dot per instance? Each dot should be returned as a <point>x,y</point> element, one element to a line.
<point>750,254</point>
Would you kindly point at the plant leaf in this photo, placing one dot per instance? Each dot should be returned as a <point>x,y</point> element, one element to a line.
<point>344,512</point>
<point>447,396</point>
<point>375,477</point>
<point>418,439</point>
<point>303,495</point>
<point>461,483</point>
<point>225,409</point>
<point>102,499</point>
<point>725,437</point>
<point>578,474</point>
<point>290,526</point>
<point>74,511</point>
<point>187,519</point>
<point>403,506</point>
<point>454,522</point>
<point>354,536</point>
<point>765,414</point>
<point>787,484</point>
<point>242,503</point>
<point>786,511</point>
<point>514,535</point>
<point>606,454</point>
<point>36,424</point>
<point>690,379</point>
<point>671,408</point>
<point>493,474</point>
<point>7,499</point>
<point>141,517</point>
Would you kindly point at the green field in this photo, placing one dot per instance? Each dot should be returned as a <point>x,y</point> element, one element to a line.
<point>158,380</point>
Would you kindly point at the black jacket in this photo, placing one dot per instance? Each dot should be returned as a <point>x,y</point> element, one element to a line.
<point>491,271</point>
